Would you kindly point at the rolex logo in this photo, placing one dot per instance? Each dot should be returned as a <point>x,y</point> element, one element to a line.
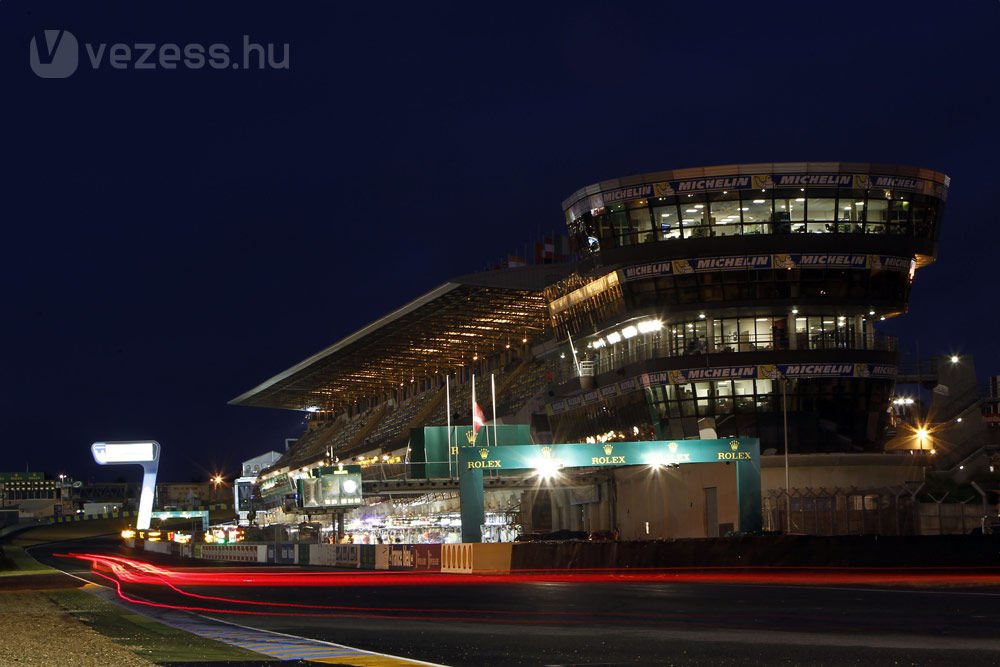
<point>608,448</point>
<point>734,445</point>
<point>547,452</point>
<point>484,453</point>
<point>672,447</point>
<point>471,436</point>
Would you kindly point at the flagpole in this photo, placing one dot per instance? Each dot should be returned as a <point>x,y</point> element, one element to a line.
<point>447,397</point>
<point>473,413</point>
<point>493,393</point>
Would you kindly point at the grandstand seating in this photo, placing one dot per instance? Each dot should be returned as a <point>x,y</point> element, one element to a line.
<point>386,428</point>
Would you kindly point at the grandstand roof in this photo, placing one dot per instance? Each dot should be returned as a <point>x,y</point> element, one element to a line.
<point>436,332</point>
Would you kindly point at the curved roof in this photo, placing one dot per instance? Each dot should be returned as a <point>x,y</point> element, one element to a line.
<point>439,330</point>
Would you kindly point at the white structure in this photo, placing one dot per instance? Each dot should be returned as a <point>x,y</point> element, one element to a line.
<point>145,453</point>
<point>252,467</point>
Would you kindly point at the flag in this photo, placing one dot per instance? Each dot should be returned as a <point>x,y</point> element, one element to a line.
<point>478,418</point>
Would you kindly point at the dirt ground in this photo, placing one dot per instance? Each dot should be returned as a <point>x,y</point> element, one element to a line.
<point>34,630</point>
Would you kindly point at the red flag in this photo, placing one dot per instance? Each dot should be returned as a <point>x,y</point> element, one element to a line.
<point>478,419</point>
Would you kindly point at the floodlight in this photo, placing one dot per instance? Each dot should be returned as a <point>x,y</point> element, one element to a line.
<point>547,468</point>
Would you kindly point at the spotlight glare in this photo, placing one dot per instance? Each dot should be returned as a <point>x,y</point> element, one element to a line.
<point>547,468</point>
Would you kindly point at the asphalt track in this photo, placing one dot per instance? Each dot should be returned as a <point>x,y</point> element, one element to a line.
<point>669,618</point>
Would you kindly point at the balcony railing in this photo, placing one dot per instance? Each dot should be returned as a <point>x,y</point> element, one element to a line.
<point>614,357</point>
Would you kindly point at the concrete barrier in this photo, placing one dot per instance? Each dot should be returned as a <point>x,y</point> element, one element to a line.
<point>366,556</point>
<point>401,557</point>
<point>348,555</point>
<point>286,554</point>
<point>427,557</point>
<point>157,547</point>
<point>323,554</point>
<point>381,556</point>
<point>394,557</point>
<point>240,553</point>
<point>476,558</point>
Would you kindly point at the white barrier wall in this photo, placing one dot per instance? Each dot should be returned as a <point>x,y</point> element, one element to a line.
<point>323,554</point>
<point>476,558</point>
<point>157,547</point>
<point>241,553</point>
<point>348,555</point>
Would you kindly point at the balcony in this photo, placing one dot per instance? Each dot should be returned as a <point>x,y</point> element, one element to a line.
<point>612,358</point>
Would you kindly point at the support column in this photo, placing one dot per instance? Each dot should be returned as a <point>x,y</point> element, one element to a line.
<point>748,491</point>
<point>793,343</point>
<point>471,497</point>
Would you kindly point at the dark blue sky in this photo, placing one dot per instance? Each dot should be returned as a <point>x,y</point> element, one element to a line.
<point>175,237</point>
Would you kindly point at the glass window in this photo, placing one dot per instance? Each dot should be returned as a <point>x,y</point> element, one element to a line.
<point>692,212</point>
<point>820,208</point>
<point>876,214</point>
<point>801,333</point>
<point>745,334</point>
<point>924,213</point>
<point>666,221</point>
<point>850,211</point>
<point>789,209</point>
<point>730,337</point>
<point>756,210</point>
<point>702,392</point>
<point>724,214</point>
<point>723,397</point>
<point>823,332</point>
<point>820,212</point>
<point>763,337</point>
<point>743,390</point>
<point>899,216</point>
<point>641,225</point>
<point>618,222</point>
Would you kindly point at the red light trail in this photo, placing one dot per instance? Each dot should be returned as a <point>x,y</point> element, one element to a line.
<point>140,572</point>
<point>126,571</point>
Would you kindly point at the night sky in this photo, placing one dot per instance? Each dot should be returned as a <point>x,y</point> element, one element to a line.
<point>172,238</point>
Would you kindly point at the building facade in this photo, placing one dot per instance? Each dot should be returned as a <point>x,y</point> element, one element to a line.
<point>731,301</point>
<point>718,301</point>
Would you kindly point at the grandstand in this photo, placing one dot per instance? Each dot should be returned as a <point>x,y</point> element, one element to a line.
<point>365,392</point>
<point>730,301</point>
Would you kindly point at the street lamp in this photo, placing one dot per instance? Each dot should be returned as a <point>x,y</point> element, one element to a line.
<point>216,480</point>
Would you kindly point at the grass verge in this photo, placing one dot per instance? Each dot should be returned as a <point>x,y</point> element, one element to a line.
<point>14,561</point>
<point>142,635</point>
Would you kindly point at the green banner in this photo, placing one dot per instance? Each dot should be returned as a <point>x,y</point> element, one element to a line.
<point>549,459</point>
<point>22,476</point>
<point>429,455</point>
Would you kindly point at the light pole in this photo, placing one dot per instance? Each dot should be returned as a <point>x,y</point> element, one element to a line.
<point>788,488</point>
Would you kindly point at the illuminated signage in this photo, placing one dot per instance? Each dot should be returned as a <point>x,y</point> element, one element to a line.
<point>125,452</point>
<point>339,489</point>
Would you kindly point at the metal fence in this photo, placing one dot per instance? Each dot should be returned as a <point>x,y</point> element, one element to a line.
<point>885,511</point>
